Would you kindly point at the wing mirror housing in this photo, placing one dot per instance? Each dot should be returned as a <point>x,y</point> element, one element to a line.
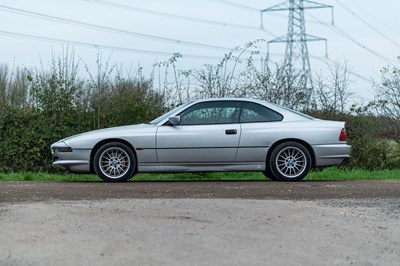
<point>174,120</point>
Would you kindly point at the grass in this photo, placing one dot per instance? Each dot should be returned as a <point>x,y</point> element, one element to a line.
<point>353,174</point>
<point>326,174</point>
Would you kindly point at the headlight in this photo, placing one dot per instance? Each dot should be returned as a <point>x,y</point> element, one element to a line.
<point>62,149</point>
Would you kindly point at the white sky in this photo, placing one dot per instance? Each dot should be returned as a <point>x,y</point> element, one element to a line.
<point>382,15</point>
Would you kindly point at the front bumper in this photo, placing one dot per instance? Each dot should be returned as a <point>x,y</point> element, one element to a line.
<point>75,161</point>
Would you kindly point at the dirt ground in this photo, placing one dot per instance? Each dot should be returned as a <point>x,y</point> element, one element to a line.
<point>200,223</point>
<point>305,190</point>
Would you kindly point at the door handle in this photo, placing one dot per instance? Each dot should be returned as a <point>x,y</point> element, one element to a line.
<point>231,132</point>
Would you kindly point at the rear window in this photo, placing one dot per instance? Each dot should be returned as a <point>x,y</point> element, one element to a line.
<point>252,113</point>
<point>297,113</point>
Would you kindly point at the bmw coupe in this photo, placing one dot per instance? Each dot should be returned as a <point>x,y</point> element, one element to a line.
<point>210,135</point>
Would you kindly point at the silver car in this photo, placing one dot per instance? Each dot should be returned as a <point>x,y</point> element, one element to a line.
<point>210,135</point>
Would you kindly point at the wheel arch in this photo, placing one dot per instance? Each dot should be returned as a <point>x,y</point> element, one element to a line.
<point>302,142</point>
<point>105,141</point>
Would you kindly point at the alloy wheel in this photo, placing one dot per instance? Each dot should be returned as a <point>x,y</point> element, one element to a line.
<point>291,162</point>
<point>114,162</point>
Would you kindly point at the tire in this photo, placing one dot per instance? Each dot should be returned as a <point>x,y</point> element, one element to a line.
<point>268,174</point>
<point>114,162</point>
<point>290,161</point>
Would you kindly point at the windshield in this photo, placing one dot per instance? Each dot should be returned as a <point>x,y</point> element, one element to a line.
<point>168,114</point>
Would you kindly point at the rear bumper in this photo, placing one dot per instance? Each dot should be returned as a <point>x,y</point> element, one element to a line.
<point>331,154</point>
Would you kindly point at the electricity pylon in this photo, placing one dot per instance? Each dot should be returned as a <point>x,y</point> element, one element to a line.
<point>296,55</point>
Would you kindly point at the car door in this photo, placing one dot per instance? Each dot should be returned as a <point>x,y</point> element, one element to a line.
<point>209,132</point>
<point>260,126</point>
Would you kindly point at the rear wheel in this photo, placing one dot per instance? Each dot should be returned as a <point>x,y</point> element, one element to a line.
<point>114,162</point>
<point>268,174</point>
<point>290,161</point>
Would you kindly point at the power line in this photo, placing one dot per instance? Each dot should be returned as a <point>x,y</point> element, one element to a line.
<point>206,21</point>
<point>136,51</point>
<point>366,48</point>
<point>123,49</point>
<point>367,24</point>
<point>240,6</point>
<point>352,73</point>
<point>169,15</point>
<point>229,3</point>
<point>347,36</point>
<point>355,74</point>
<point>386,25</point>
<point>108,29</point>
<point>323,59</point>
<point>313,21</point>
<point>105,47</point>
<point>268,32</point>
<point>97,46</point>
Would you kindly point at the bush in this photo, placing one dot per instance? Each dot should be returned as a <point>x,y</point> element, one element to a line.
<point>372,140</point>
<point>60,104</point>
<point>40,107</point>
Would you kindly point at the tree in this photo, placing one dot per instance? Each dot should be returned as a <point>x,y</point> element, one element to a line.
<point>388,92</point>
<point>332,92</point>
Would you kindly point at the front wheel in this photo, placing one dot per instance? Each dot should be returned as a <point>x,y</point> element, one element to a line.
<point>114,162</point>
<point>290,161</point>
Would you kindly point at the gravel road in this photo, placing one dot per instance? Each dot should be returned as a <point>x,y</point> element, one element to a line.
<point>200,223</point>
<point>305,190</point>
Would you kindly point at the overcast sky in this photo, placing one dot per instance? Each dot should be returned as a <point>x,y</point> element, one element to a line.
<point>372,35</point>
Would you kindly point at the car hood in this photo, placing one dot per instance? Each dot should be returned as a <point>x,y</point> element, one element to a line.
<point>88,139</point>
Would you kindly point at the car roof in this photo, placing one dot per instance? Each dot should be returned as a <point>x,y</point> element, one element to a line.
<point>263,102</point>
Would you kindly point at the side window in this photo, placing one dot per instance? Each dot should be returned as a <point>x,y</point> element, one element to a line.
<point>223,112</point>
<point>252,112</point>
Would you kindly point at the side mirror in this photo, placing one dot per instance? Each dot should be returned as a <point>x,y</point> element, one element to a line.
<point>175,120</point>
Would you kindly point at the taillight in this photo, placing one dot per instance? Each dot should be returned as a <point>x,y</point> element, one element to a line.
<point>343,136</point>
